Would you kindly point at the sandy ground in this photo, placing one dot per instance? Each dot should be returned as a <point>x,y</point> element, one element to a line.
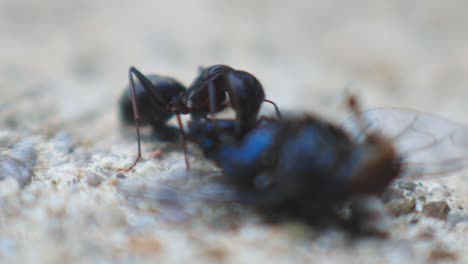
<point>63,66</point>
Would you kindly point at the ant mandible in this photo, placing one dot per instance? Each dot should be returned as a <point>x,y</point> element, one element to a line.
<point>160,97</point>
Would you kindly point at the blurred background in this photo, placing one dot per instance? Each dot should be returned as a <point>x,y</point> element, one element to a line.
<point>307,54</point>
<point>64,64</point>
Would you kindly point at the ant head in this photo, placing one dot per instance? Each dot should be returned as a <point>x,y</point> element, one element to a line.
<point>214,70</point>
<point>178,105</point>
<point>207,74</point>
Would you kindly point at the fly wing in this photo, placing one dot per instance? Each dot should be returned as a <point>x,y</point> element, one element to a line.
<point>178,195</point>
<point>429,145</point>
<point>177,192</point>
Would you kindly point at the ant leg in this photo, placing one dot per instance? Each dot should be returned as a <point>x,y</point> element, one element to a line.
<point>212,93</point>
<point>138,118</point>
<point>184,141</point>
<point>278,113</point>
<point>156,100</point>
<point>212,100</point>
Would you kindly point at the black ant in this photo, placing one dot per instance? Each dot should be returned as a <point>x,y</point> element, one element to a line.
<point>157,98</point>
<point>169,88</point>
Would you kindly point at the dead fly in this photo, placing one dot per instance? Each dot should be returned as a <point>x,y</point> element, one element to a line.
<point>306,166</point>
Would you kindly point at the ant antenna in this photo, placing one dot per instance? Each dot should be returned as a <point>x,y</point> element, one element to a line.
<point>278,113</point>
<point>200,69</point>
<point>156,99</point>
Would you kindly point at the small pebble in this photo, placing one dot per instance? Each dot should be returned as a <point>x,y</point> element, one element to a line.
<point>407,185</point>
<point>437,210</point>
<point>8,186</point>
<point>427,233</point>
<point>121,176</point>
<point>94,179</point>
<point>439,253</point>
<point>401,206</point>
<point>18,162</point>
<point>458,217</point>
<point>7,139</point>
<point>63,142</point>
<point>144,244</point>
<point>11,167</point>
<point>25,152</point>
<point>393,193</point>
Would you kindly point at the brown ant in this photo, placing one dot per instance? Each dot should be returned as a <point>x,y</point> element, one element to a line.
<point>157,98</point>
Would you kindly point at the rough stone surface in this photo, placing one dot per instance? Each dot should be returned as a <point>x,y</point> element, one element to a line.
<point>63,65</point>
<point>11,167</point>
<point>438,210</point>
<point>401,206</point>
<point>407,185</point>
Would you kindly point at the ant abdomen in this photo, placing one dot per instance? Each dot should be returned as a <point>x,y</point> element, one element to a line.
<point>154,115</point>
